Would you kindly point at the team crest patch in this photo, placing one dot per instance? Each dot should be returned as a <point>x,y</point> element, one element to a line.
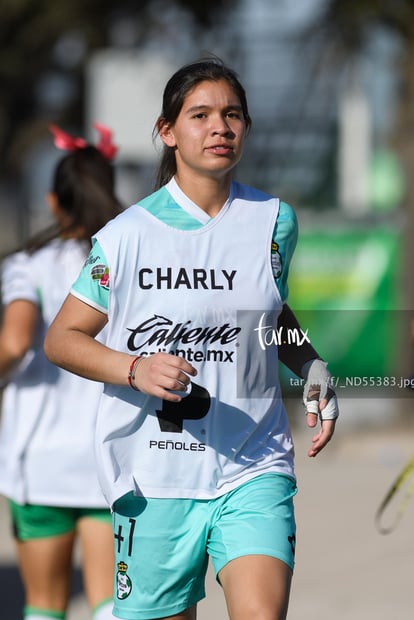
<point>123,582</point>
<point>276,260</point>
<point>101,273</point>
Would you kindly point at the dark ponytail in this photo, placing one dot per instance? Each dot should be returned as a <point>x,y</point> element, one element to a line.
<point>84,184</point>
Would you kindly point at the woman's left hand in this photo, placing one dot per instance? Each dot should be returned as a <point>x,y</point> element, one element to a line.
<point>323,436</point>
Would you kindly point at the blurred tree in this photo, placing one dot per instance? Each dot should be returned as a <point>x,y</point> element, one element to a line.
<point>43,47</point>
<point>347,26</point>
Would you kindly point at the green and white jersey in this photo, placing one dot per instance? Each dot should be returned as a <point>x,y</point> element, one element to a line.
<point>172,279</point>
<point>48,415</point>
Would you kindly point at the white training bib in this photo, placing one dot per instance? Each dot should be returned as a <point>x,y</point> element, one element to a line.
<point>48,414</point>
<point>209,296</point>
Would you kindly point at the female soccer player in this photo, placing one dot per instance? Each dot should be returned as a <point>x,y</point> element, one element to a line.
<point>47,464</point>
<point>194,446</point>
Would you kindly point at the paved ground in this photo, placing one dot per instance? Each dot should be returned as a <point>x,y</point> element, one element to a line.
<point>345,568</point>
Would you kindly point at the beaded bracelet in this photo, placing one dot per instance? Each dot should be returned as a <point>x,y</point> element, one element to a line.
<point>132,370</point>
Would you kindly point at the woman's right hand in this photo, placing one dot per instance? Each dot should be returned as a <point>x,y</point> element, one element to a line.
<point>163,375</point>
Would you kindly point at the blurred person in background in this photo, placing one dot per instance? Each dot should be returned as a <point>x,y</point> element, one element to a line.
<point>47,463</point>
<point>194,448</point>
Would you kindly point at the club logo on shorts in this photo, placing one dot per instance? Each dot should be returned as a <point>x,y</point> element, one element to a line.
<point>123,582</point>
<point>292,541</point>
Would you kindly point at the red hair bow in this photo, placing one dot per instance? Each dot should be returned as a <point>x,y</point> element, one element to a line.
<point>66,142</point>
<point>105,145</point>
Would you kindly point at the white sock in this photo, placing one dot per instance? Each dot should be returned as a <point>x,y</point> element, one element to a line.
<point>103,611</point>
<point>33,613</point>
<point>38,615</point>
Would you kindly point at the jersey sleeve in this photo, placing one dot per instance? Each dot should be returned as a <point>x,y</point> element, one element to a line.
<point>18,280</point>
<point>284,240</point>
<point>92,284</point>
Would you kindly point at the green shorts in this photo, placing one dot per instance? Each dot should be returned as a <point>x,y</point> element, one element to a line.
<point>162,546</point>
<point>32,521</point>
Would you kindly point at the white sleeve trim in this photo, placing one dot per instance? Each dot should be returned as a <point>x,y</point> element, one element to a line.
<point>88,301</point>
